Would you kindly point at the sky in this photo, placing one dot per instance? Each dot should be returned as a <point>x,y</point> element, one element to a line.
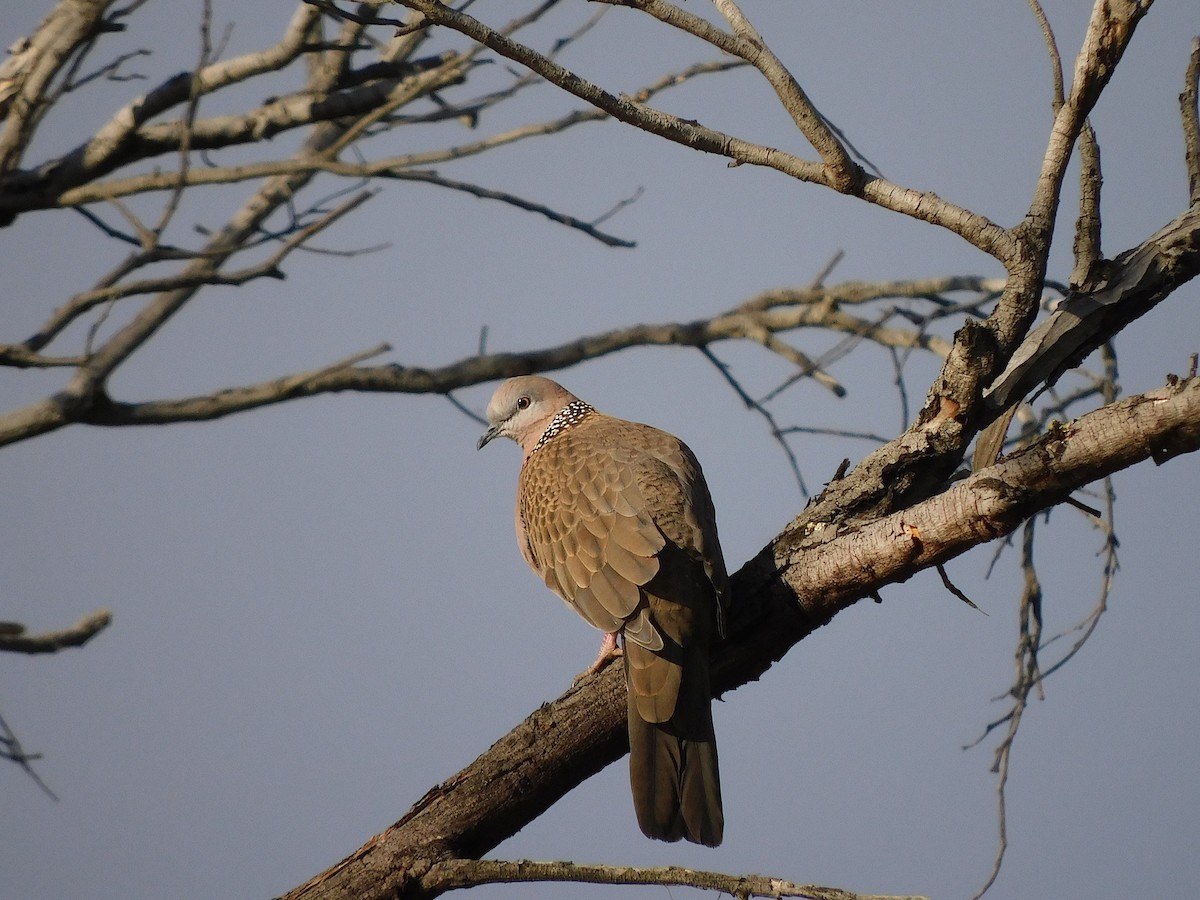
<point>319,608</point>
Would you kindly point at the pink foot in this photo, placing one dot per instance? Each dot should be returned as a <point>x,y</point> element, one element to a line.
<point>608,652</point>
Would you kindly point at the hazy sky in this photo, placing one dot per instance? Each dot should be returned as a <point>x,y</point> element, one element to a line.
<point>320,609</point>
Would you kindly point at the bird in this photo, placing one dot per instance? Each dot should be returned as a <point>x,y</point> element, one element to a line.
<point>617,520</point>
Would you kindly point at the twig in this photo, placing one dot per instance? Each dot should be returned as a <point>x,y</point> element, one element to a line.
<point>1001,768</point>
<point>807,368</point>
<point>512,200</point>
<point>1027,675</point>
<point>756,406</point>
<point>188,122</point>
<point>1083,507</point>
<point>462,408</point>
<point>826,270</point>
<point>953,589</point>
<point>836,433</point>
<point>11,749</point>
<point>1030,675</point>
<point>898,380</point>
<point>1056,70</point>
<point>618,206</point>
<point>841,172</point>
<point>360,19</point>
<point>109,72</point>
<point>466,873</point>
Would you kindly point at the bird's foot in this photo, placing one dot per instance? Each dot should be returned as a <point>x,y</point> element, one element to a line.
<point>608,652</point>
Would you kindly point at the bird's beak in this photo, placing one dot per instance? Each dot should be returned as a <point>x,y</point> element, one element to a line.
<point>488,436</point>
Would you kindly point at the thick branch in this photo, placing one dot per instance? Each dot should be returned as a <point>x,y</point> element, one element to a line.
<point>1189,109</point>
<point>1126,289</point>
<point>981,353</point>
<point>25,77</point>
<point>802,579</point>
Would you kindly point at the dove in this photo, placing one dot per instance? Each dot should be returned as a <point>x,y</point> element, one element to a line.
<point>616,518</point>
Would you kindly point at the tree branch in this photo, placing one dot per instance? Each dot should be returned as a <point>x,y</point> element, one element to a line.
<point>1109,32</point>
<point>1128,288</point>
<point>926,206</point>
<point>1189,109</point>
<point>26,76</point>
<point>810,572</point>
<point>464,873</point>
<point>268,268</point>
<point>768,313</point>
<point>290,113</point>
<point>842,173</point>
<point>980,353</point>
<point>1086,245</point>
<point>14,639</point>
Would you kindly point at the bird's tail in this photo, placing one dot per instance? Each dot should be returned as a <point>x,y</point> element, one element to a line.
<point>675,780</point>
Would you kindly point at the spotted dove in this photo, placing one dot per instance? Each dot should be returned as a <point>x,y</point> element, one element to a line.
<point>616,518</point>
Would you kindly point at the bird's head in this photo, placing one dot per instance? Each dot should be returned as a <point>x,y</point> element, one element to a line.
<point>522,408</point>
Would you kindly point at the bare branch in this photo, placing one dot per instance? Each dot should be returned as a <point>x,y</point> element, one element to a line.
<point>842,173</point>
<point>12,354</point>
<point>11,749</point>
<point>859,292</point>
<point>1087,226</point>
<point>300,110</point>
<point>965,373</point>
<point>954,589</point>
<point>179,90</point>
<point>757,406</point>
<point>1109,32</point>
<point>1190,113</point>
<point>268,268</point>
<point>483,193</point>
<point>110,71</point>
<point>52,641</point>
<point>1056,72</point>
<point>83,184</point>
<point>466,873</point>
<point>25,77</point>
<point>793,309</point>
<point>360,19</point>
<point>928,207</point>
<point>19,356</point>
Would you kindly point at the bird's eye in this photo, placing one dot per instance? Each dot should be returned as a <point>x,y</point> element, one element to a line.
<point>523,403</point>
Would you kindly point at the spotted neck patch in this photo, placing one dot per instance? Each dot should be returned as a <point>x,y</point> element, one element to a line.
<point>571,414</point>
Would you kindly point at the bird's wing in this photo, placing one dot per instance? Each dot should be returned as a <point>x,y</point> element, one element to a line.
<point>588,529</point>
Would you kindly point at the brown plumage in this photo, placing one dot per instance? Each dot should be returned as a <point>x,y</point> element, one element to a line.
<point>616,518</point>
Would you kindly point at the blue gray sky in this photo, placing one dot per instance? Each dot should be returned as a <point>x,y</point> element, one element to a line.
<point>320,610</point>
